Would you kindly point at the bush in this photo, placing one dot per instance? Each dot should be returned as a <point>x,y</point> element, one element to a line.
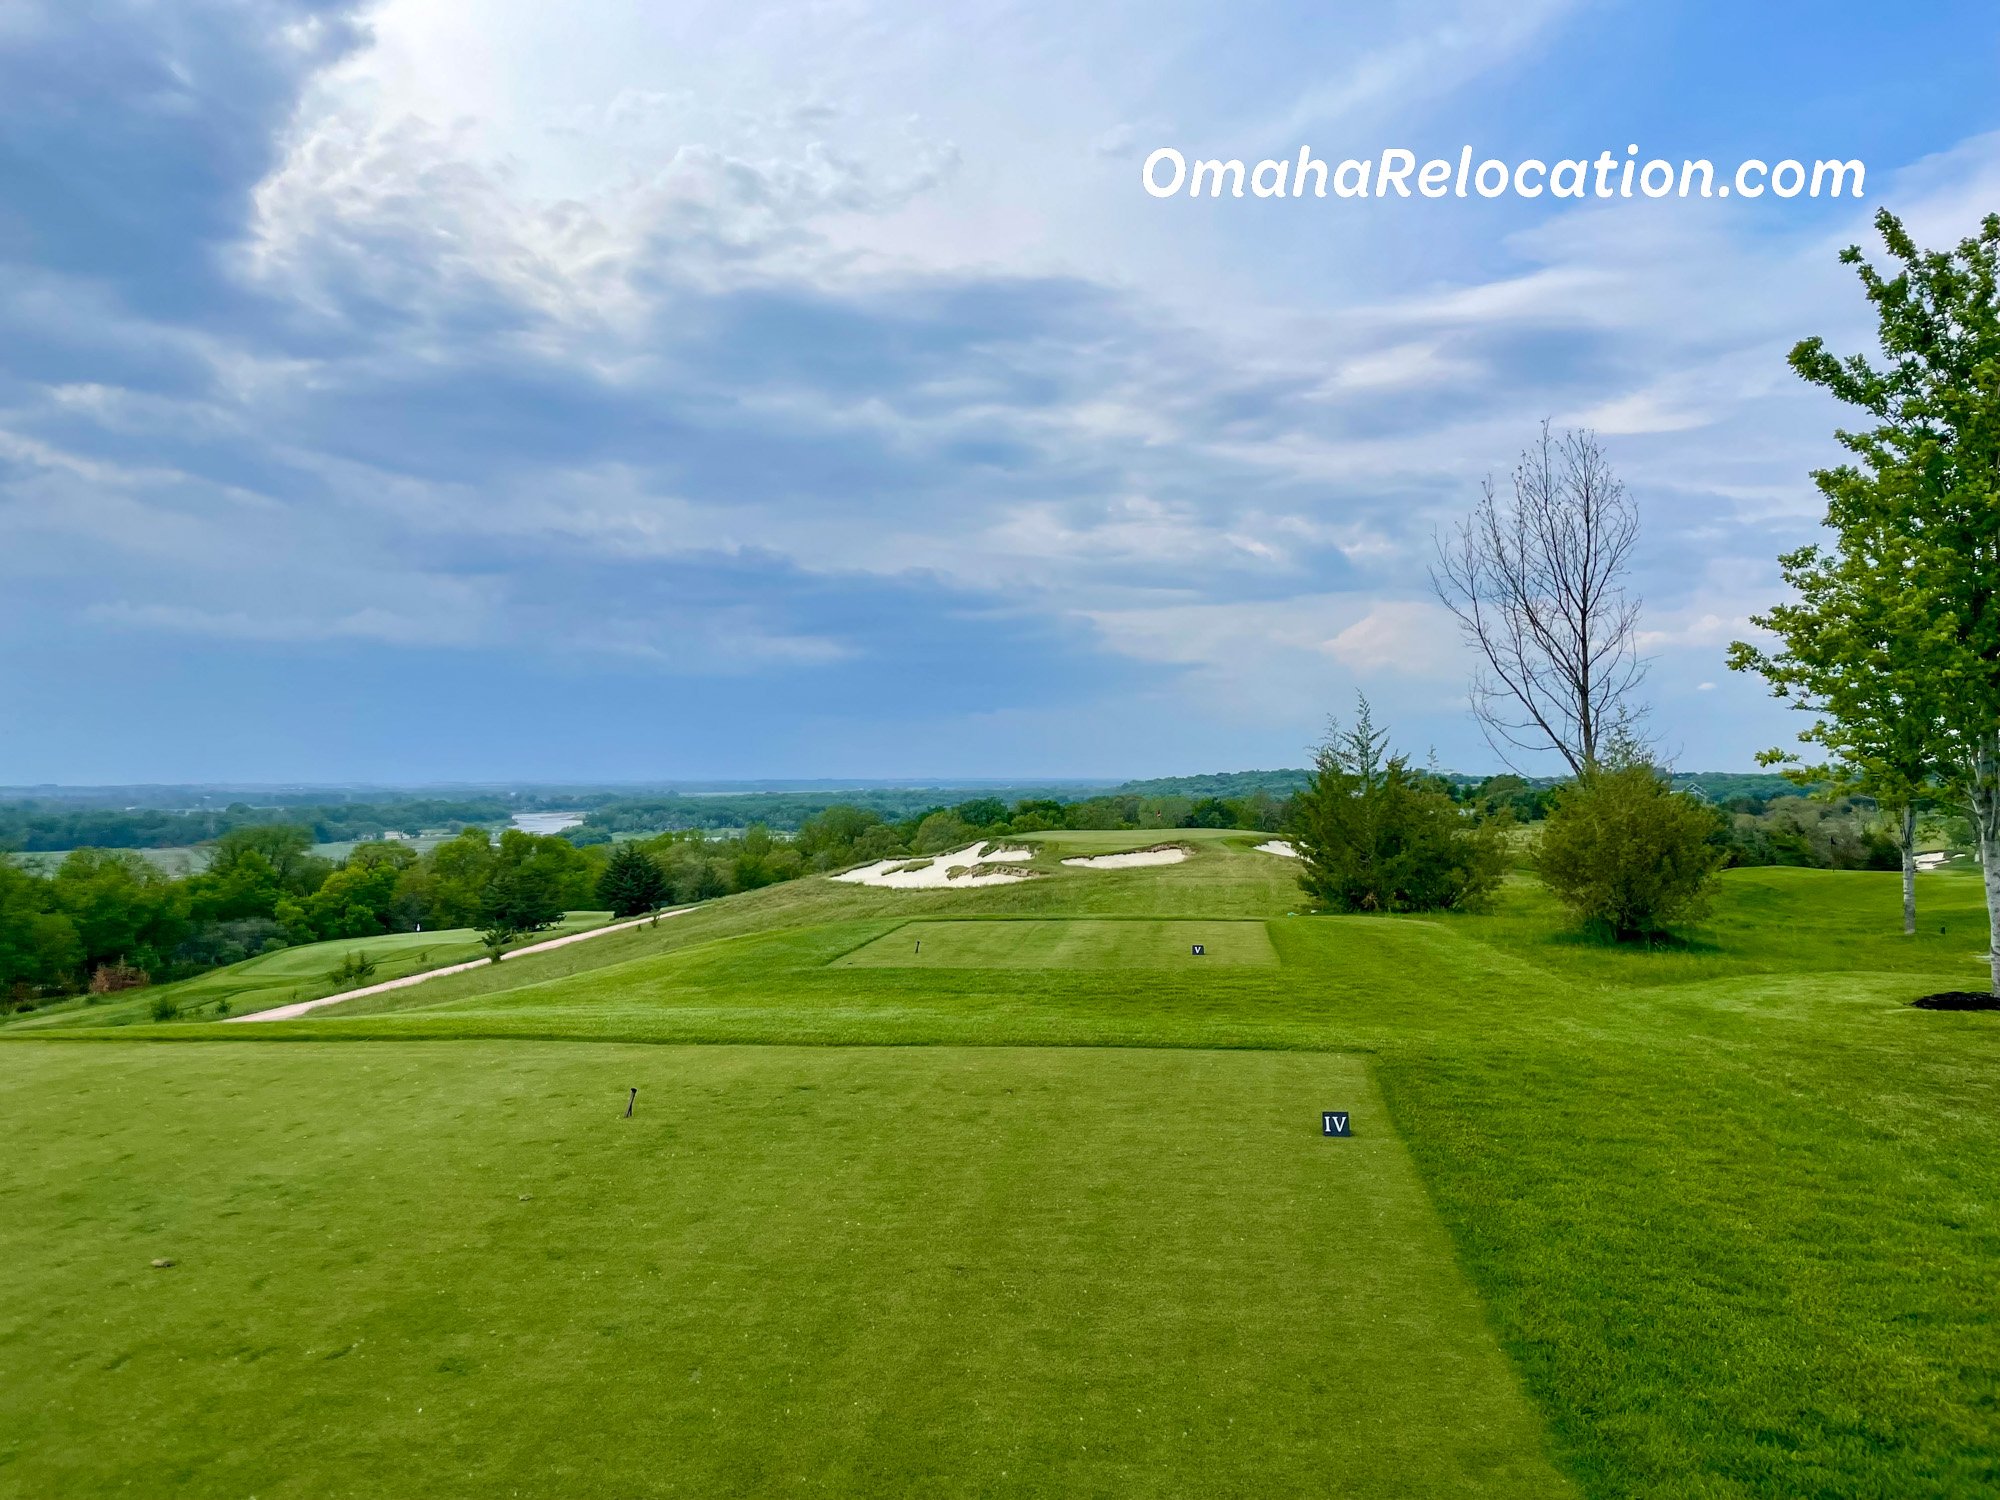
<point>1374,835</point>
<point>494,941</point>
<point>165,1008</point>
<point>108,979</point>
<point>356,969</point>
<point>1625,852</point>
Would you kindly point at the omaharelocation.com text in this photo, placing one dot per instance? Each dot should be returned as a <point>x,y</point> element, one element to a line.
<point>1169,174</point>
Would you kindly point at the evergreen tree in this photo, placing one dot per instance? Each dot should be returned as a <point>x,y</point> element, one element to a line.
<point>633,883</point>
<point>1375,835</point>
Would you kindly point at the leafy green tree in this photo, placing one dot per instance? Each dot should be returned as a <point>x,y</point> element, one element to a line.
<point>941,832</point>
<point>534,879</point>
<point>828,839</point>
<point>285,849</point>
<point>359,899</point>
<point>632,883</point>
<point>1623,850</point>
<point>699,880</point>
<point>981,812</point>
<point>39,946</point>
<point>1375,835</point>
<point>1879,717</point>
<point>1210,812</point>
<point>1034,814</point>
<point>124,908</point>
<point>1914,684</point>
<point>459,869</point>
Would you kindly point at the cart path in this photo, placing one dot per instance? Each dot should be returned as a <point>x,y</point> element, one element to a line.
<point>300,1007</point>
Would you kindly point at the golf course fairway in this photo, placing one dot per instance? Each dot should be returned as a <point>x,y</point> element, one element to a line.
<point>1041,1207</point>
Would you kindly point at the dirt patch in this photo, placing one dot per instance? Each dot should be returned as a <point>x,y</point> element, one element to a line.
<point>1958,1000</point>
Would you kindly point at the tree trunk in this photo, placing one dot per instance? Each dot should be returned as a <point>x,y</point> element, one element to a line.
<point>1910,869</point>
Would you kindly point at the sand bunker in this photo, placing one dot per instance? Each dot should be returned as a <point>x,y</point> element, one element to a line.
<point>1280,847</point>
<point>960,870</point>
<point>1163,854</point>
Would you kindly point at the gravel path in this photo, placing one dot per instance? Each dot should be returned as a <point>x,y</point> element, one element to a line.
<point>300,1007</point>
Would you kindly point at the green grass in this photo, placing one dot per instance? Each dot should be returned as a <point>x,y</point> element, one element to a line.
<point>1030,943</point>
<point>296,973</point>
<point>832,1271</point>
<point>1728,1205</point>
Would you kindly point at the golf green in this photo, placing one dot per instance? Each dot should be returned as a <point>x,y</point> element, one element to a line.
<point>423,1269</point>
<point>1084,943</point>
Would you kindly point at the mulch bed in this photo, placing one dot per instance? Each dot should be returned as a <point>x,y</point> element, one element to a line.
<point>1958,1000</point>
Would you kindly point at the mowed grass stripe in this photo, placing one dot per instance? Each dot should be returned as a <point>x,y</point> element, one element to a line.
<point>1116,943</point>
<point>792,1272</point>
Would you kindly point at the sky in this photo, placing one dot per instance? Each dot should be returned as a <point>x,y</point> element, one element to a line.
<point>414,392</point>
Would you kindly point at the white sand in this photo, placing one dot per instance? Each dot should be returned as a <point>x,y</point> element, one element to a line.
<point>1165,854</point>
<point>960,870</point>
<point>1280,847</point>
<point>300,1007</point>
<point>1932,861</point>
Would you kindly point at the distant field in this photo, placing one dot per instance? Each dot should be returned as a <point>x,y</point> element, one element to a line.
<point>178,861</point>
<point>194,857</point>
<point>1091,943</point>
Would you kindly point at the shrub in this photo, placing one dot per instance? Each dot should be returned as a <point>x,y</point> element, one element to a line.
<point>495,939</point>
<point>355,969</point>
<point>107,979</point>
<point>1625,852</point>
<point>165,1008</point>
<point>1374,835</point>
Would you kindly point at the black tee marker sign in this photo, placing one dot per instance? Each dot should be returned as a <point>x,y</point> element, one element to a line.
<point>1335,1122</point>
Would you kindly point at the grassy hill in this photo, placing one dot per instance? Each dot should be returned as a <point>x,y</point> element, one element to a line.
<point>273,979</point>
<point>1043,1208</point>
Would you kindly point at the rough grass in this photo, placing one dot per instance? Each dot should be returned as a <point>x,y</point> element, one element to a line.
<point>1730,1203</point>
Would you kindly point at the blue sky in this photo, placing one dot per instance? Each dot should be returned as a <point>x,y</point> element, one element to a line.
<point>424,391</point>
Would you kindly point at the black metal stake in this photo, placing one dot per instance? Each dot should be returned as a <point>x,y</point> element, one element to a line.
<point>630,1102</point>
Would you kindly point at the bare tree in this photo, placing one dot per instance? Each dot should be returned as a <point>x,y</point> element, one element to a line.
<point>1538,587</point>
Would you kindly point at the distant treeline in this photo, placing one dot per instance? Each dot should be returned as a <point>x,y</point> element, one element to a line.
<point>51,824</point>
<point>36,826</point>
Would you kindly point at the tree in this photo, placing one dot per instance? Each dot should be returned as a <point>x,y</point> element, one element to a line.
<point>941,831</point>
<point>494,938</point>
<point>1841,657</point>
<point>1538,586</point>
<point>534,878</point>
<point>632,883</point>
<point>1374,835</point>
<point>1916,516</point>
<point>284,848</point>
<point>39,946</point>
<point>1622,849</point>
